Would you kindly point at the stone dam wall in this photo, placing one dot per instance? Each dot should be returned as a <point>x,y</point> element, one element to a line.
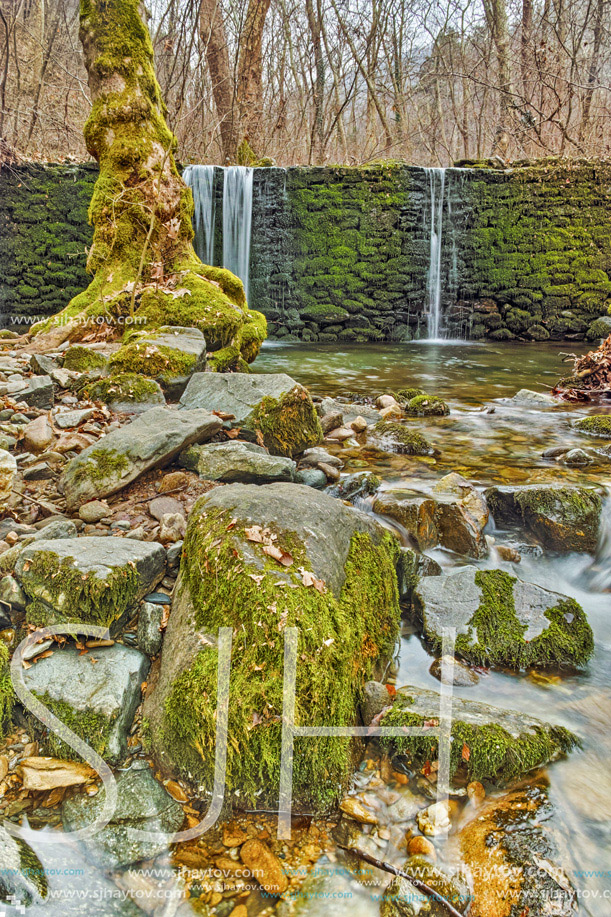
<point>364,254</point>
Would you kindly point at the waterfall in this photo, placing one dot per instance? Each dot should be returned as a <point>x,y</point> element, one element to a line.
<point>437,185</point>
<point>598,575</point>
<point>237,216</point>
<point>201,181</point>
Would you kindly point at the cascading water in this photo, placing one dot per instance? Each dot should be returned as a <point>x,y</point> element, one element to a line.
<point>437,187</point>
<point>598,575</point>
<point>237,218</point>
<point>201,181</point>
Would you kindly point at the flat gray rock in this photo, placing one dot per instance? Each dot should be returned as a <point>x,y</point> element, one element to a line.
<point>501,620</point>
<point>114,574</point>
<point>104,682</point>
<point>39,392</point>
<point>68,419</point>
<point>234,393</point>
<point>152,440</point>
<point>142,803</point>
<point>237,462</point>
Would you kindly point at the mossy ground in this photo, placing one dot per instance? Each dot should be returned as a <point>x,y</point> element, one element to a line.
<point>341,641</point>
<point>406,441</point>
<point>595,425</point>
<point>288,424</point>
<point>494,754</point>
<point>83,359</point>
<point>7,695</point>
<point>153,360</point>
<point>58,590</point>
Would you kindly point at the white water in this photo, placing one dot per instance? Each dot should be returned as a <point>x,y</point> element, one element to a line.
<point>201,181</point>
<point>237,216</point>
<point>437,184</point>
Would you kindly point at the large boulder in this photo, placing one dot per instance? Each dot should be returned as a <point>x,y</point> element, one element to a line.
<point>170,355</point>
<point>94,579</point>
<point>453,516</point>
<point>143,804</point>
<point>238,462</point>
<point>259,560</point>
<point>503,621</point>
<point>561,517</point>
<point>150,441</point>
<point>271,408</point>
<point>500,744</point>
<point>95,694</point>
<point>506,843</point>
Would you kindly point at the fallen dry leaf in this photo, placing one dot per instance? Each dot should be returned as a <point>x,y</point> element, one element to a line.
<point>283,557</point>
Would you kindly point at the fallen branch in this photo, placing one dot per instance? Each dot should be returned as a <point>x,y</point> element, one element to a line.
<point>417,883</point>
<point>591,372</point>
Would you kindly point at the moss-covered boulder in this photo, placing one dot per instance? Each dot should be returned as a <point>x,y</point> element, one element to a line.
<point>83,359</point>
<point>150,441</point>
<point>170,356</point>
<point>595,425</point>
<point>259,560</point>
<point>503,621</point>
<point>393,436</point>
<point>599,329</point>
<point>561,517</point>
<point>510,841</point>
<point>95,695</point>
<point>126,393</point>
<point>94,579</point>
<point>426,406</point>
<point>502,744</point>
<point>270,408</point>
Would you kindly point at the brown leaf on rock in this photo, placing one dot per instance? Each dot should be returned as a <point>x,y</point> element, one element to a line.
<point>283,557</point>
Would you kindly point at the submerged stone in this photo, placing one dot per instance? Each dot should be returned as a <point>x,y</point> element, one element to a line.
<point>561,517</point>
<point>95,579</point>
<point>261,560</point>
<point>397,437</point>
<point>271,406</point>
<point>143,804</point>
<point>237,462</point>
<point>150,441</point>
<point>501,620</point>
<point>95,695</point>
<point>501,744</point>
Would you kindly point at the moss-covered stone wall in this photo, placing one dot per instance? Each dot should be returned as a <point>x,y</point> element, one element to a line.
<point>343,254</point>
<point>44,235</point>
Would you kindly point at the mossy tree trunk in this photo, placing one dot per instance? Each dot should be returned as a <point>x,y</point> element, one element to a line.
<point>142,256</point>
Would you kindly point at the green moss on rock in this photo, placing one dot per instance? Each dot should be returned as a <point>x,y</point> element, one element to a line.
<point>595,425</point>
<point>83,359</point>
<point>288,424</point>
<point>426,406</point>
<point>125,388</point>
<point>405,441</point>
<point>93,727</point>
<point>153,360</point>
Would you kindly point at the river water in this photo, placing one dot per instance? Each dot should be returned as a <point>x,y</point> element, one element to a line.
<point>503,446</point>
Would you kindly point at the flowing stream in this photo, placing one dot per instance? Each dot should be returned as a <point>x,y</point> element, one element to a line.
<point>437,186</point>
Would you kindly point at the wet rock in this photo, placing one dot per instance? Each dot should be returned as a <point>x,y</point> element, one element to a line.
<point>311,477</point>
<point>38,434</point>
<point>271,404</point>
<point>150,441</point>
<point>394,436</point>
<point>421,846</point>
<point>355,809</point>
<point>8,470</point>
<point>501,620</point>
<point>563,518</point>
<point>595,425</point>
<point>454,518</point>
<point>94,578</point>
<point>426,406</point>
<point>537,399</point>
<point>22,876</point>
<point>97,699</point>
<point>349,411</point>
<point>506,552</point>
<point>375,699</point>
<point>313,458</point>
<point>93,511</point>
<point>500,744</point>
<point>39,392</point>
<point>237,462</point>
<point>386,401</point>
<point>40,774</point>
<point>435,819</point>
<point>330,892</point>
<point>577,458</point>
<point>265,866</point>
<point>331,421</point>
<point>505,841</point>
<point>142,804</point>
<point>322,550</point>
<point>410,567</point>
<point>459,674</point>
<point>149,628</point>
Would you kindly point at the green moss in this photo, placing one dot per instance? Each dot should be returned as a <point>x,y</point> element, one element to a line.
<point>83,359</point>
<point>495,636</point>
<point>289,424</point>
<point>153,360</point>
<point>63,588</point>
<point>325,314</point>
<point>252,336</point>
<point>426,406</point>
<point>494,754</point>
<point>7,695</point>
<point>341,640</point>
<point>595,425</point>
<point>124,388</point>
<point>102,464</point>
<point>403,395</point>
<point>227,359</point>
<point>405,441</point>
<point>93,728</point>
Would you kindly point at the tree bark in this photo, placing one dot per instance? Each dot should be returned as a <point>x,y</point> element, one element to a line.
<point>213,36</point>
<point>141,209</point>
<point>250,74</point>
